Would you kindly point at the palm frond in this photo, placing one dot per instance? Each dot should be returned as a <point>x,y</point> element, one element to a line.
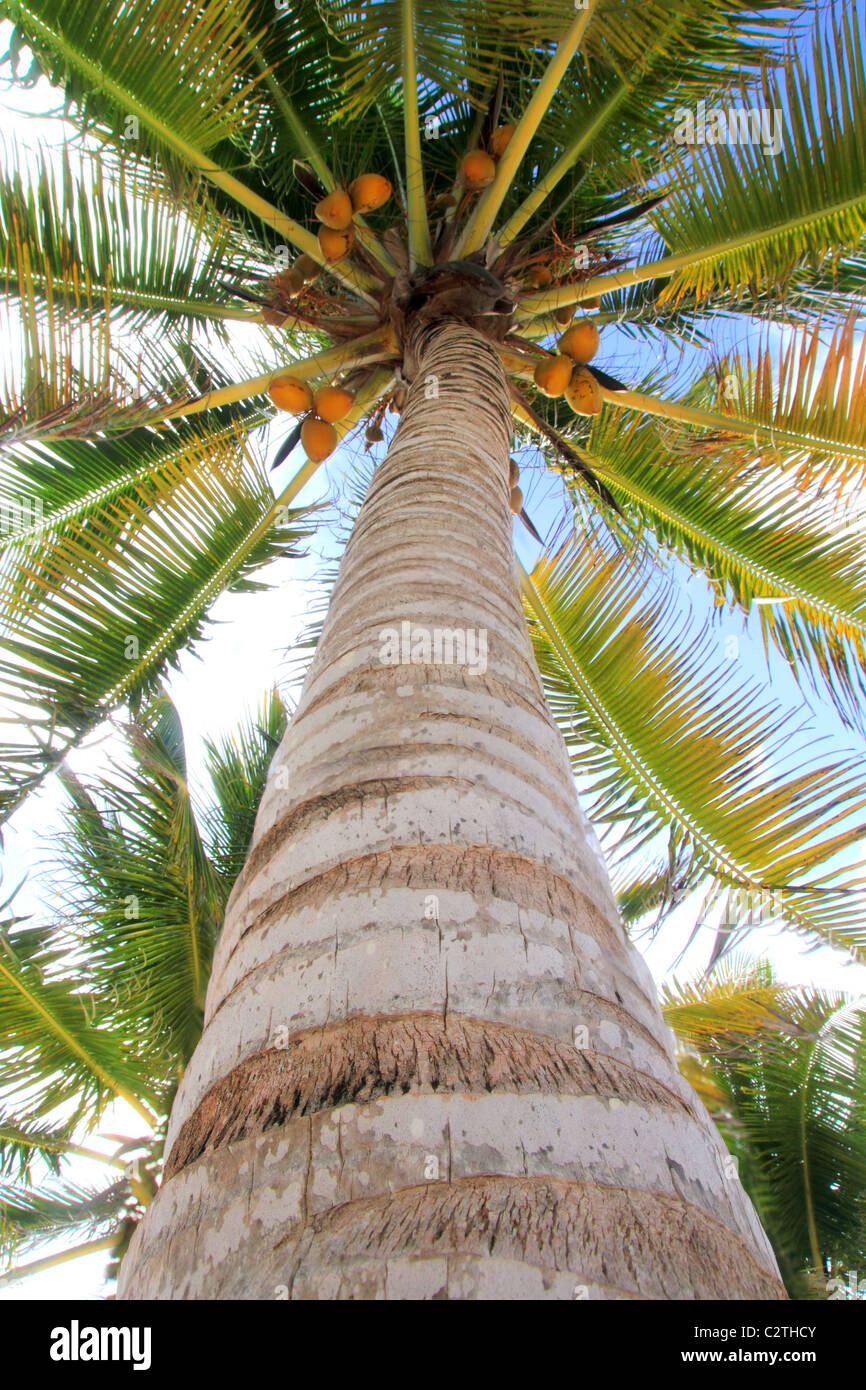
<point>142,894</point>
<point>189,72</point>
<point>786,1068</point>
<point>671,736</point>
<point>732,217</point>
<point>110,582</point>
<point>119,236</point>
<point>795,553</point>
<point>237,767</point>
<point>55,1051</point>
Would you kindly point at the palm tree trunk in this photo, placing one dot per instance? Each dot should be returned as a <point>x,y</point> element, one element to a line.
<point>432,1065</point>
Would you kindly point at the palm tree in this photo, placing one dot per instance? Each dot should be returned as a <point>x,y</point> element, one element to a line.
<point>781,1072</point>
<point>432,1064</point>
<point>744,1038</point>
<point>104,1004</point>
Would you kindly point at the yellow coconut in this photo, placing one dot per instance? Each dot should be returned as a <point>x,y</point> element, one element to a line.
<point>291,394</point>
<point>553,375</point>
<point>582,393</point>
<point>335,210</point>
<point>580,342</point>
<point>307,267</point>
<point>336,245</point>
<point>513,472</point>
<point>318,438</point>
<point>369,191</point>
<point>333,403</point>
<point>477,169</point>
<point>500,140</point>
<point>539,276</point>
<point>516,501</point>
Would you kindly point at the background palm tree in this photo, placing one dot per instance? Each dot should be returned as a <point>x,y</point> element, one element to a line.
<point>105,1004</point>
<point>219,132</point>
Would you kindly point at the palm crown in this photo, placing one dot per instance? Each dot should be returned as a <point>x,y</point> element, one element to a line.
<point>130,430</point>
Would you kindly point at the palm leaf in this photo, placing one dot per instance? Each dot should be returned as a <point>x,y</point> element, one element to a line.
<point>756,537</point>
<point>787,1068</point>
<point>102,592</point>
<point>123,238</point>
<point>53,1052</point>
<point>237,767</point>
<point>732,217</point>
<point>29,1218</point>
<point>144,893</point>
<point>189,72</point>
<point>673,737</point>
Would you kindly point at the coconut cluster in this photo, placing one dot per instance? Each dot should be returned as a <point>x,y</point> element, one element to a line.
<point>337,211</point>
<point>566,373</point>
<point>478,167</point>
<point>322,410</point>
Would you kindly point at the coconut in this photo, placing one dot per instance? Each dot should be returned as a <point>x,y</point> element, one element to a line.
<point>500,140</point>
<point>581,341</point>
<point>583,394</point>
<point>291,394</point>
<point>335,210</point>
<point>289,281</point>
<point>513,472</point>
<point>336,245</point>
<point>333,403</point>
<point>553,375</point>
<point>369,192</point>
<point>477,170</point>
<point>539,276</point>
<point>307,267</point>
<point>318,438</point>
<point>516,501</point>
<point>592,304</point>
<point>564,315</point>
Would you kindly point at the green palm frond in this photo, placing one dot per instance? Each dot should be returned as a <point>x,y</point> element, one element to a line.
<point>23,1141</point>
<point>142,894</point>
<point>464,47</point>
<point>100,592</point>
<point>117,236</point>
<point>187,86</point>
<point>55,1051</point>
<point>756,218</point>
<point>28,1217</point>
<point>190,71</point>
<point>805,408</point>
<point>732,218</point>
<point>73,375</point>
<point>237,768</point>
<point>796,551</point>
<point>673,737</point>
<point>784,1074</point>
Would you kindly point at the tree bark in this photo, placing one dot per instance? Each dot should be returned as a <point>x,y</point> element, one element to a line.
<point>432,1064</point>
